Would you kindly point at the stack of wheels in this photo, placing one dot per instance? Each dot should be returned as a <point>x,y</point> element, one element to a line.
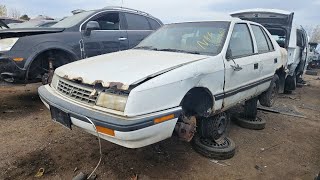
<point>250,123</point>
<point>248,119</point>
<point>216,150</point>
<point>211,141</point>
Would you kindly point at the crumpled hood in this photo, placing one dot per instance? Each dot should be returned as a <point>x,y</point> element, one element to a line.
<point>125,67</point>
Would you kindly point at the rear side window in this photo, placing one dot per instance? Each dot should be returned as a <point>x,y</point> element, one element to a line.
<point>261,40</point>
<point>109,21</point>
<point>137,22</point>
<point>241,41</point>
<point>154,24</point>
<point>271,47</point>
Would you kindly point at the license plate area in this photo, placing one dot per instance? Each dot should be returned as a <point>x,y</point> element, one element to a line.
<point>61,117</point>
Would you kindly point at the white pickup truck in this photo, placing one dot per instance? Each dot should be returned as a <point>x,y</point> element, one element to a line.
<point>293,38</point>
<point>177,77</point>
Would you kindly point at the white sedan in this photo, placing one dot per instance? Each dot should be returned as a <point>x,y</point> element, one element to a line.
<point>177,75</point>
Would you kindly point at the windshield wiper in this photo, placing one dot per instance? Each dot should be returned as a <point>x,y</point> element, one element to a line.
<point>179,50</point>
<point>146,48</point>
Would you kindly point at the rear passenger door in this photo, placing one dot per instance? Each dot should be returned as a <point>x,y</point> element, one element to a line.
<point>241,82</point>
<point>138,28</point>
<point>109,38</point>
<point>266,57</point>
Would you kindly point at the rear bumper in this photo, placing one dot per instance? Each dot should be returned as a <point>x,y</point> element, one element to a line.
<point>132,132</point>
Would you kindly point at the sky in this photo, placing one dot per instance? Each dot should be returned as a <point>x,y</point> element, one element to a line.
<point>307,12</point>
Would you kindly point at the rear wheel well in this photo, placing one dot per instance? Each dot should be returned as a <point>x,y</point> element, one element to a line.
<point>198,101</point>
<point>40,64</point>
<point>282,79</point>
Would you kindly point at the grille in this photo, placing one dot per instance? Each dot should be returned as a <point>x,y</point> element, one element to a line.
<point>77,92</point>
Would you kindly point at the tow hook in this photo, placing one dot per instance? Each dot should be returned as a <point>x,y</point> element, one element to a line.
<point>186,127</point>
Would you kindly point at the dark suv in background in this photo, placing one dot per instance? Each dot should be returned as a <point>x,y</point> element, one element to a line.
<point>31,54</point>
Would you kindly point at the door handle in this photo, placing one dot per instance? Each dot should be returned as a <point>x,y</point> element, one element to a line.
<point>122,39</point>
<point>236,67</point>
<point>256,66</point>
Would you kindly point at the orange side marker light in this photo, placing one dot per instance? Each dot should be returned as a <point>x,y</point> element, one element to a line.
<point>104,130</point>
<point>164,118</point>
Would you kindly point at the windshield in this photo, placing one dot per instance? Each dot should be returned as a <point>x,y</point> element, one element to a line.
<point>197,38</point>
<point>72,20</point>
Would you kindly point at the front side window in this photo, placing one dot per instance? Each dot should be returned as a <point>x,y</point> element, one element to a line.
<point>261,40</point>
<point>108,21</point>
<point>137,22</point>
<point>197,38</point>
<point>241,41</point>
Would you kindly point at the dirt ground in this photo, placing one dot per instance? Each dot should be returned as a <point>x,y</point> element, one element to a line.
<point>289,147</point>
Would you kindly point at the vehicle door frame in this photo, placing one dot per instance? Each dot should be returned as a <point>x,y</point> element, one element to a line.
<point>123,37</point>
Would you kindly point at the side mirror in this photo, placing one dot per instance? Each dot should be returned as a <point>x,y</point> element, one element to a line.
<point>91,25</point>
<point>229,54</point>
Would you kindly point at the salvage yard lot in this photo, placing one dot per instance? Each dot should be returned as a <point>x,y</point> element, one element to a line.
<point>289,147</point>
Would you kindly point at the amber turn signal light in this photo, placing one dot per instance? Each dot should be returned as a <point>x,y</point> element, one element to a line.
<point>164,118</point>
<point>104,130</point>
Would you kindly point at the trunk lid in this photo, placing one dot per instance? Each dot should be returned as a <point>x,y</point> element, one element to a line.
<point>266,16</point>
<point>278,22</point>
<point>125,68</point>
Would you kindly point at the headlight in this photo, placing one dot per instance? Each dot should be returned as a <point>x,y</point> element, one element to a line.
<point>112,101</point>
<point>7,44</point>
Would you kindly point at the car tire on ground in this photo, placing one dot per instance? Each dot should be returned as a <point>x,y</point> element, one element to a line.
<point>209,148</point>
<point>253,124</point>
<point>269,97</point>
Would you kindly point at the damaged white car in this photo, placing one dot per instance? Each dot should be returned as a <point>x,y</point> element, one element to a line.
<point>181,78</point>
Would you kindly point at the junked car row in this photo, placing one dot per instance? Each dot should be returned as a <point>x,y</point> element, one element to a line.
<point>182,79</point>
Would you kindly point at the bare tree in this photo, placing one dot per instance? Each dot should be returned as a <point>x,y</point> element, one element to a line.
<point>14,13</point>
<point>315,35</point>
<point>3,10</point>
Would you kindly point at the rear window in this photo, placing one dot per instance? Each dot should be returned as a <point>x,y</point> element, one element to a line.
<point>154,24</point>
<point>137,22</point>
<point>261,40</point>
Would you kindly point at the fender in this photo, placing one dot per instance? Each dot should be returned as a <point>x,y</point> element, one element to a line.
<point>45,46</point>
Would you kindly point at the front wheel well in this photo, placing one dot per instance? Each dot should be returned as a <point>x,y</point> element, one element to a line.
<point>198,101</point>
<point>40,64</point>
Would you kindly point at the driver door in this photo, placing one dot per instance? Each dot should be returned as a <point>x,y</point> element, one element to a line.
<point>109,38</point>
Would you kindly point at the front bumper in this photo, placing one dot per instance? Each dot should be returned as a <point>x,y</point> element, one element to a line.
<point>10,71</point>
<point>130,132</point>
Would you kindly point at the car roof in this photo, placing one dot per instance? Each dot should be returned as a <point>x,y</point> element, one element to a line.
<point>277,11</point>
<point>119,8</point>
<point>125,9</point>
